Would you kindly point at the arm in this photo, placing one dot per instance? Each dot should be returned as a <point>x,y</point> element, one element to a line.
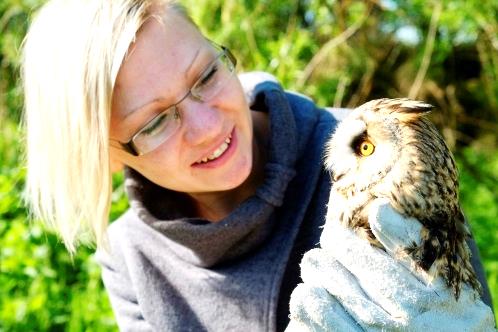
<point>121,294</point>
<point>479,269</point>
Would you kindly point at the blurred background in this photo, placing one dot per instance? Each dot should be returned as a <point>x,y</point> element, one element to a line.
<point>340,53</point>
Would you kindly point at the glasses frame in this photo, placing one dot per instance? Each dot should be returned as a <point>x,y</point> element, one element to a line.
<point>130,147</point>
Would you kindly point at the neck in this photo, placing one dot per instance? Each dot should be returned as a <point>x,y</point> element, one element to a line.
<point>215,206</point>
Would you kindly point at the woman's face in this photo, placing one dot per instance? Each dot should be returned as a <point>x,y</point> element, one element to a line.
<point>163,64</point>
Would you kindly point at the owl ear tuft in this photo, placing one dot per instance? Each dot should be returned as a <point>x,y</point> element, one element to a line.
<point>402,108</point>
<point>414,106</point>
<point>408,106</point>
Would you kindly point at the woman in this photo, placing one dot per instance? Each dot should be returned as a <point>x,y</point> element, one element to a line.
<point>225,195</point>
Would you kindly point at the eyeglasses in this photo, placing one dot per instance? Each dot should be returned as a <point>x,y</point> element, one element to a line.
<point>210,82</point>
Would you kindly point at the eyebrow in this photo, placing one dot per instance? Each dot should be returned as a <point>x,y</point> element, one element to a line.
<point>160,99</point>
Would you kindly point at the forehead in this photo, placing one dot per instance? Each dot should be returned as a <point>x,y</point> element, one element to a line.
<point>157,61</point>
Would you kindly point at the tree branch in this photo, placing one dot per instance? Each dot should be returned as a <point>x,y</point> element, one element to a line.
<point>429,47</point>
<point>329,46</point>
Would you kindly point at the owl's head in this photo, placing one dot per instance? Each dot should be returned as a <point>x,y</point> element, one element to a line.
<point>371,141</point>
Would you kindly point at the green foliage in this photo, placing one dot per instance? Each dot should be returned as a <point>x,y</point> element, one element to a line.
<point>14,18</point>
<point>340,53</point>
<point>41,287</point>
<point>479,197</point>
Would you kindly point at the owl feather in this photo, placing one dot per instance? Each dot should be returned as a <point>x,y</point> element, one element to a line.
<point>387,148</point>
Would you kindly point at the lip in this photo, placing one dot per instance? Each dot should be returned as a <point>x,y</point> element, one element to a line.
<point>221,160</point>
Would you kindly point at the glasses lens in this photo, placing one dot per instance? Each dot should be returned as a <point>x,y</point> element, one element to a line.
<point>156,131</point>
<point>214,78</point>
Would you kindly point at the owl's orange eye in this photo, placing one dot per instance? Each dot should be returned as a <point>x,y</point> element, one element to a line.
<point>366,148</point>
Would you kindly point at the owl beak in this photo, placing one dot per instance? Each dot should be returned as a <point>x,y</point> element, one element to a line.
<point>337,177</point>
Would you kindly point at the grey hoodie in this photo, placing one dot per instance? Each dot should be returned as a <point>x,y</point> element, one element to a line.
<point>171,271</point>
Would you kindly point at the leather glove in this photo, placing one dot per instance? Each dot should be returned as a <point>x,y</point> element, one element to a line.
<point>351,286</point>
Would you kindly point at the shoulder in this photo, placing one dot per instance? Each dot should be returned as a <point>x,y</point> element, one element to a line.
<point>128,239</point>
<point>125,228</point>
<point>314,123</point>
<point>110,256</point>
<point>305,105</point>
<point>253,83</point>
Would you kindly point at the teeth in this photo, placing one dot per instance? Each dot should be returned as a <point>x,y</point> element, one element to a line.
<point>218,152</point>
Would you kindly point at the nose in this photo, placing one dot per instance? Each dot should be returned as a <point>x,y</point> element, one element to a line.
<point>201,121</point>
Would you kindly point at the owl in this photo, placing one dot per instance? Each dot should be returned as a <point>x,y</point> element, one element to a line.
<point>387,148</point>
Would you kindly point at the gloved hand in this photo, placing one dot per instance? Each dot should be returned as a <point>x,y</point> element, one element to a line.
<point>351,286</point>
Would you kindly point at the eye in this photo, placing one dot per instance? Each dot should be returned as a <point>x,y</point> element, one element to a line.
<point>362,145</point>
<point>366,148</point>
<point>156,125</point>
<point>207,76</point>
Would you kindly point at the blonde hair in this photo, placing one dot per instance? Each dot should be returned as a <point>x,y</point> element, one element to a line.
<point>71,57</point>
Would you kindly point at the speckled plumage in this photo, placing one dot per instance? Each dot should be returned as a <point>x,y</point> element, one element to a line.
<point>412,167</point>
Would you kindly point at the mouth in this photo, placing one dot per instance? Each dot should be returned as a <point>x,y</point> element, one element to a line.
<point>218,153</point>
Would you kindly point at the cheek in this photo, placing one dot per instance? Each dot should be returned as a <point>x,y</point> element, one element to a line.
<point>233,97</point>
<point>165,159</point>
<point>237,111</point>
<point>240,171</point>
